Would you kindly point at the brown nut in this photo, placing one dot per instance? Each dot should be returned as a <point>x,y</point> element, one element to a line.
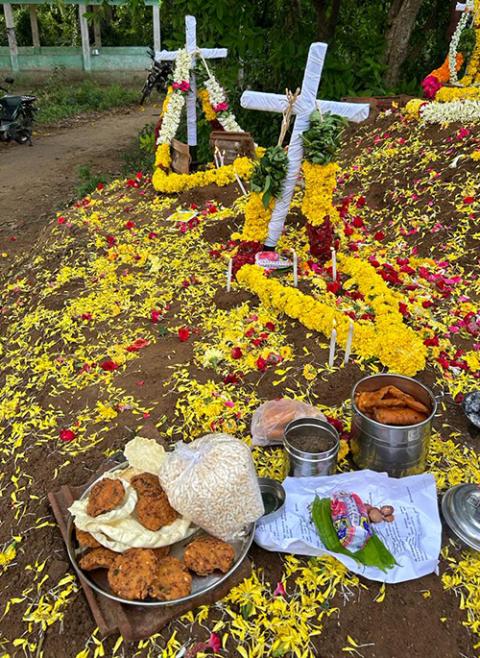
<point>368,507</point>
<point>375,515</point>
<point>389,519</point>
<point>387,510</point>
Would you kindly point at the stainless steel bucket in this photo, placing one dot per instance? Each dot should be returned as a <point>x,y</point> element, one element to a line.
<point>306,464</point>
<point>398,451</point>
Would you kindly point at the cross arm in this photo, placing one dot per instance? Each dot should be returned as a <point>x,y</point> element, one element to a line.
<point>267,102</point>
<point>355,112</point>
<point>208,53</point>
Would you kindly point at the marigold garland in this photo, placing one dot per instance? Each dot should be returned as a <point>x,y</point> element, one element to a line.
<point>209,112</point>
<point>171,183</point>
<point>162,157</point>
<point>257,218</point>
<point>320,184</point>
<point>387,338</point>
<point>448,94</point>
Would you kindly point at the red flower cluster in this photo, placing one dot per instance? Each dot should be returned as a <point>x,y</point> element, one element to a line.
<point>245,255</point>
<point>320,239</point>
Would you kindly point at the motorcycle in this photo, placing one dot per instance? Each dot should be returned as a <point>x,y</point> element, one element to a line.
<point>157,77</point>
<point>17,114</point>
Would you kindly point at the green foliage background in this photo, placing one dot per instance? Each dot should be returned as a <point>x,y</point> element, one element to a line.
<point>268,42</point>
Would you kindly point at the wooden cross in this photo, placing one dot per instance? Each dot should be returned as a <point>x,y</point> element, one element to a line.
<point>206,53</point>
<point>305,104</point>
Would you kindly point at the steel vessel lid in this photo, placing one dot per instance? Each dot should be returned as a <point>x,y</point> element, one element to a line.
<point>461,511</point>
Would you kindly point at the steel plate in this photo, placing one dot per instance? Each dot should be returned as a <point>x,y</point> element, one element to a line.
<point>200,584</point>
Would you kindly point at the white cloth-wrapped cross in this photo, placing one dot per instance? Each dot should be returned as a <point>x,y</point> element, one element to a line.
<point>306,103</point>
<point>206,53</point>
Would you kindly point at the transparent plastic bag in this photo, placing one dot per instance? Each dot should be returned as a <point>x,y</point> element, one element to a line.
<point>271,418</point>
<point>212,481</point>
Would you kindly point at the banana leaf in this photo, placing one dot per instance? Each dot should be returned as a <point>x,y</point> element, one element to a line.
<point>373,554</point>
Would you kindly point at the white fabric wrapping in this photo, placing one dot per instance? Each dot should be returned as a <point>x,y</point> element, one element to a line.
<point>208,53</point>
<point>191,43</point>
<point>267,102</point>
<point>305,105</point>
<point>355,112</point>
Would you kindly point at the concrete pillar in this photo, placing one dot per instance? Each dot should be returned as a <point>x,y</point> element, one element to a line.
<point>156,27</point>
<point>34,26</point>
<point>12,39</point>
<point>87,65</point>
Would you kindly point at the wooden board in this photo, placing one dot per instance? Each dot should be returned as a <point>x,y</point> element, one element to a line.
<point>232,145</point>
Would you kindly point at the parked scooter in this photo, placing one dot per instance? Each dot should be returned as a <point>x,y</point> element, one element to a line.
<point>157,77</point>
<point>17,114</point>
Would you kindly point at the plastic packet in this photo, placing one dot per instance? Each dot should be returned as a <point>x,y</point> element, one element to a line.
<point>350,520</point>
<point>212,481</point>
<point>271,418</point>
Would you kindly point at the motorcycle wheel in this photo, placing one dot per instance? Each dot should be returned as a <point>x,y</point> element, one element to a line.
<point>146,91</point>
<point>23,136</point>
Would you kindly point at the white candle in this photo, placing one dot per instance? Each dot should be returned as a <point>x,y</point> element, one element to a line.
<point>229,274</point>
<point>333,341</point>
<point>216,155</point>
<point>295,268</point>
<point>222,158</point>
<point>334,263</point>
<point>348,347</point>
<point>239,181</point>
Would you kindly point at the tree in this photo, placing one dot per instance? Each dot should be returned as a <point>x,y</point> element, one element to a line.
<point>400,24</point>
<point>327,18</point>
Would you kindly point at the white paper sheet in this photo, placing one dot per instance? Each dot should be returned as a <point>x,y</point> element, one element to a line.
<point>414,538</point>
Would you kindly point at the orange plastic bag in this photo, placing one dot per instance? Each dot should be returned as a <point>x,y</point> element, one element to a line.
<point>271,418</point>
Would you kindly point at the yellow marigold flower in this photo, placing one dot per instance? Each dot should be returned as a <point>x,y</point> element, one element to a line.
<point>257,218</point>
<point>412,108</point>
<point>448,94</point>
<point>475,155</point>
<point>105,412</point>
<point>162,156</point>
<point>171,183</point>
<point>388,339</point>
<point>207,108</point>
<point>320,184</point>
<point>309,372</point>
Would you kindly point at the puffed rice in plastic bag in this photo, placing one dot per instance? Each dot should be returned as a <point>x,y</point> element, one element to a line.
<point>212,481</point>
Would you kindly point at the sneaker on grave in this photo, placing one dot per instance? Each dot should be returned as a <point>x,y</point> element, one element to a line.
<point>270,260</point>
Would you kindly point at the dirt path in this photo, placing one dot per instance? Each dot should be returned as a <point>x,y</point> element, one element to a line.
<point>36,181</point>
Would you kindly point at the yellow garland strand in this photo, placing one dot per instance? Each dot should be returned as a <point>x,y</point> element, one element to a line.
<point>207,108</point>
<point>387,339</point>
<point>257,218</point>
<point>171,183</point>
<point>320,183</point>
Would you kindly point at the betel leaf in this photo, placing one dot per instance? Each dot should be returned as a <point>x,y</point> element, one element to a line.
<point>269,173</point>
<point>322,140</point>
<point>373,554</point>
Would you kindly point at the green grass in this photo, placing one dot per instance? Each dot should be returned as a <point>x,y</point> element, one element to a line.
<point>60,99</point>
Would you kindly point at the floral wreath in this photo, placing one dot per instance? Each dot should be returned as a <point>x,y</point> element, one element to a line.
<point>216,109</point>
<point>455,40</point>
